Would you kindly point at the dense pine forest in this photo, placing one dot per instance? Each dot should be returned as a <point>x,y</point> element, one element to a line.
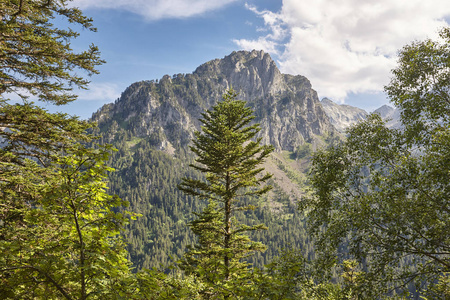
<point>228,183</point>
<point>147,177</point>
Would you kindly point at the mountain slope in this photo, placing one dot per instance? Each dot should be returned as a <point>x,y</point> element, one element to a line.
<point>286,107</point>
<point>391,115</point>
<point>152,124</point>
<point>342,116</point>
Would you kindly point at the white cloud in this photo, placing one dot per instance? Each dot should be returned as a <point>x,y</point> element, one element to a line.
<point>261,43</point>
<point>269,42</point>
<point>157,9</point>
<point>102,91</point>
<point>346,46</point>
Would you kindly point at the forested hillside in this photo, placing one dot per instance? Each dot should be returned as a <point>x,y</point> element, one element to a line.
<point>152,126</point>
<point>203,203</point>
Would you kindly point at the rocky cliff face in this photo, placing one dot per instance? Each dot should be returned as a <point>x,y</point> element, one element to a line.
<point>342,116</point>
<point>167,110</point>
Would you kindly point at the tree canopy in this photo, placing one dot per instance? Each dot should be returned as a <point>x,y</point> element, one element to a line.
<point>383,195</point>
<point>36,57</point>
<point>59,228</point>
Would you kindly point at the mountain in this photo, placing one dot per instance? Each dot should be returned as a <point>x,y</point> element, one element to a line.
<point>286,106</point>
<point>153,122</point>
<point>390,114</point>
<point>342,116</point>
<point>385,111</point>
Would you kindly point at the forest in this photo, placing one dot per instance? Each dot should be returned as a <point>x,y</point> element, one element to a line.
<point>80,219</point>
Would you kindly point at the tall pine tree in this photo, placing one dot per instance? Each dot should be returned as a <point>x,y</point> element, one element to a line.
<point>231,163</point>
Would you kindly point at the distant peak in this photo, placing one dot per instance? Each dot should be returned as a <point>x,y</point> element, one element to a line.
<point>386,107</point>
<point>385,111</point>
<point>327,101</point>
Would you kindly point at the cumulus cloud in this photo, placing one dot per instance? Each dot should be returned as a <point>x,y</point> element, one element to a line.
<point>157,9</point>
<point>346,46</point>
<point>271,41</point>
<point>261,43</point>
<point>102,91</point>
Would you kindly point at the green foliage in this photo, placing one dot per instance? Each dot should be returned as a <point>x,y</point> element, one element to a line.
<point>283,278</point>
<point>302,151</point>
<point>152,284</point>
<point>440,290</point>
<point>420,86</point>
<point>292,276</point>
<point>59,228</point>
<point>59,233</point>
<point>229,160</point>
<point>35,56</point>
<point>383,194</point>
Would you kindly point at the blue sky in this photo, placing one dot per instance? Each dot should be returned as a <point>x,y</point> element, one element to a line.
<point>346,48</point>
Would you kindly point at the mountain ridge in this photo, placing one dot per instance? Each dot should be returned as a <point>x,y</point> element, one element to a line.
<point>343,116</point>
<point>153,123</point>
<point>286,107</point>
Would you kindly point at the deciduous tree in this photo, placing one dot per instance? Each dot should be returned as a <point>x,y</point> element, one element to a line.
<point>384,194</point>
<point>59,230</point>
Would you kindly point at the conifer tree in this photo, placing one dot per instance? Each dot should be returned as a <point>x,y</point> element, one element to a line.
<point>36,57</point>
<point>231,163</point>
<point>59,233</point>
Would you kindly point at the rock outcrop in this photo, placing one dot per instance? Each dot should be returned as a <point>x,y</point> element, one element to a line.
<point>342,116</point>
<point>168,110</point>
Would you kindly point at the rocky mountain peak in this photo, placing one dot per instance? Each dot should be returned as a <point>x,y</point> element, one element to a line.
<point>253,74</point>
<point>286,107</point>
<point>385,111</point>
